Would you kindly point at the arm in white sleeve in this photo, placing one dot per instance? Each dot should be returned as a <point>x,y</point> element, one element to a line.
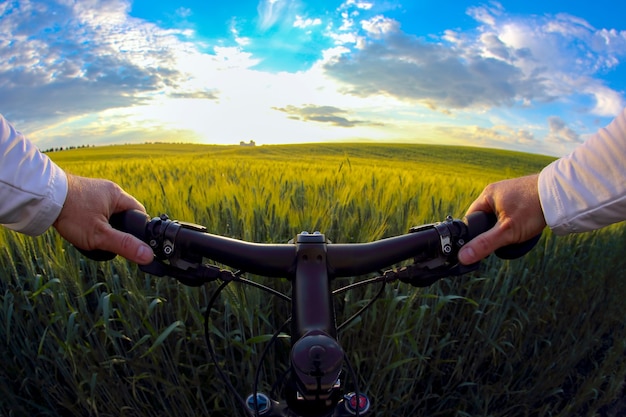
<point>32,188</point>
<point>586,190</point>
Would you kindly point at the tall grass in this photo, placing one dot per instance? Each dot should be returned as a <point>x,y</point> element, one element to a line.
<point>541,336</point>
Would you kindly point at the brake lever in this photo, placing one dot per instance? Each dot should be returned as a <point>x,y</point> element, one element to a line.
<point>424,272</point>
<point>419,275</point>
<point>192,277</point>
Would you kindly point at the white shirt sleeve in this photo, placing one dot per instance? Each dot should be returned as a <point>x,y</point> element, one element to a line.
<point>32,187</point>
<point>586,190</point>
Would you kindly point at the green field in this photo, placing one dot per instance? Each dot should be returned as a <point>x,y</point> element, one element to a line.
<point>539,336</point>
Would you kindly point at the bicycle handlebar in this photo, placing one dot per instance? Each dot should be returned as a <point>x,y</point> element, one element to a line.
<point>310,262</point>
<point>272,259</point>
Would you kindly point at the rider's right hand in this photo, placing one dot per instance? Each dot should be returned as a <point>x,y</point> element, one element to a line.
<point>517,207</point>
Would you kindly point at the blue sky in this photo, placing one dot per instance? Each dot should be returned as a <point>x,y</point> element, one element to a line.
<point>532,76</point>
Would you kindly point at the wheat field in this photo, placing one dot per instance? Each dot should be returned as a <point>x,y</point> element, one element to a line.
<point>538,336</point>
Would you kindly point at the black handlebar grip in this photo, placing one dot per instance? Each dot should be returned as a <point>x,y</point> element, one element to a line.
<point>130,221</point>
<point>480,221</point>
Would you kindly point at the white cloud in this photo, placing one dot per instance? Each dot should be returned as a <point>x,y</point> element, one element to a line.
<point>303,23</point>
<point>240,40</point>
<point>559,132</point>
<point>610,43</point>
<point>331,55</point>
<point>497,136</point>
<point>565,51</point>
<point>608,102</point>
<point>363,5</point>
<point>347,21</point>
<point>231,57</point>
<point>323,114</point>
<point>184,12</point>
<point>270,11</point>
<point>379,26</point>
<point>345,38</point>
<point>437,76</point>
<point>487,14</point>
<point>69,59</point>
<point>567,25</point>
<point>506,61</point>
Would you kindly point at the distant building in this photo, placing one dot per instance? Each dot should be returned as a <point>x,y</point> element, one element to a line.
<point>251,143</point>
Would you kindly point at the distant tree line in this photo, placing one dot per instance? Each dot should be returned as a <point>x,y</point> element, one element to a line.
<point>67,148</point>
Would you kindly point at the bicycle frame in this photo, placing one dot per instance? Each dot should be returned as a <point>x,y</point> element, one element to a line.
<point>310,262</point>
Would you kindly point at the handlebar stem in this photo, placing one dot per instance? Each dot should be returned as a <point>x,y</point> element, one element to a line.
<point>316,356</point>
<point>311,295</point>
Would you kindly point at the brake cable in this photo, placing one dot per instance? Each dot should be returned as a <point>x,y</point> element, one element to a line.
<point>211,349</point>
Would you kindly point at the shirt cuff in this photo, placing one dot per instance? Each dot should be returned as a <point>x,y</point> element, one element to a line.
<point>39,213</point>
<point>549,199</point>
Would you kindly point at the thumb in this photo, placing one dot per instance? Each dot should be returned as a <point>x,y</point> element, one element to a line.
<point>481,246</point>
<point>128,246</point>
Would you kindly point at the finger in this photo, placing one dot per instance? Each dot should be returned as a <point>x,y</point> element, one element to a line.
<point>482,203</point>
<point>128,202</point>
<point>479,205</point>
